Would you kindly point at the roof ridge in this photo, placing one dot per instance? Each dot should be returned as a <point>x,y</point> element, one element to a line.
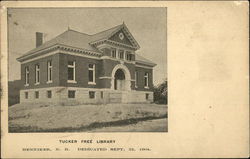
<point>79,32</point>
<point>107,29</point>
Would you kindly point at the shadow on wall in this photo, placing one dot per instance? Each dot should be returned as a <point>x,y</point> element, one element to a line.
<point>161,93</point>
<point>13,92</point>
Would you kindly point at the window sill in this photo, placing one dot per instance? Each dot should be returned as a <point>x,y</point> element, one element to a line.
<point>136,86</point>
<point>37,83</point>
<point>146,87</point>
<point>26,85</point>
<point>91,83</point>
<point>71,81</point>
<point>49,82</point>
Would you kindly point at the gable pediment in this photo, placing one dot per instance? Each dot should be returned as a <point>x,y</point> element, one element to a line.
<point>121,37</point>
<point>118,35</point>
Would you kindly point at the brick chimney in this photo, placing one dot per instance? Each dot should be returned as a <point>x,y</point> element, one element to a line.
<point>39,39</point>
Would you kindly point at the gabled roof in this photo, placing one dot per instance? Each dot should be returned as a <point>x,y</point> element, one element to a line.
<point>105,35</point>
<point>80,40</point>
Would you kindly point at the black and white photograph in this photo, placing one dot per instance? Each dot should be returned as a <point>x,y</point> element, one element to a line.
<point>87,70</point>
<point>124,79</point>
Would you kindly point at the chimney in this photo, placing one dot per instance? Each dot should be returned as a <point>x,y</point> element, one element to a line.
<point>39,39</point>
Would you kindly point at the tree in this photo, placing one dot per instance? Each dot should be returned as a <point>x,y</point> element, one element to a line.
<point>161,93</point>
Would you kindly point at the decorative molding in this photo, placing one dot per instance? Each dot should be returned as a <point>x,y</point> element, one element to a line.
<point>45,50</point>
<point>126,73</point>
<point>91,83</point>
<point>129,35</point>
<point>71,81</point>
<point>60,52</point>
<point>48,82</point>
<point>63,88</point>
<point>59,47</point>
<point>105,77</point>
<point>116,59</point>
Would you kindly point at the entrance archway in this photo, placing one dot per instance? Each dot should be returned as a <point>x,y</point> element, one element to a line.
<point>121,79</point>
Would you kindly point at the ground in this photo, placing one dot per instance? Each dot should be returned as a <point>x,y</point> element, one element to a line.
<point>99,118</point>
<point>156,125</point>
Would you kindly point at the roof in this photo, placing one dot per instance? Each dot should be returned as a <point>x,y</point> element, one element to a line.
<point>140,59</point>
<point>69,38</point>
<point>106,33</point>
<point>72,38</point>
<point>77,39</point>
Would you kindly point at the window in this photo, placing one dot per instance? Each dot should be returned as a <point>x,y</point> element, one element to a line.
<point>27,74</point>
<point>91,74</point>
<point>71,71</point>
<point>91,94</point>
<point>136,78</point>
<point>71,94</point>
<point>121,54</point>
<point>36,94</point>
<point>101,94</point>
<point>128,56</point>
<point>113,53</point>
<point>49,71</point>
<point>147,95</point>
<point>146,80</point>
<point>37,74</point>
<point>49,94</point>
<point>26,95</point>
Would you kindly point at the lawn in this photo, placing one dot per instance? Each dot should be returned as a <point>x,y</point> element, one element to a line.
<point>52,118</point>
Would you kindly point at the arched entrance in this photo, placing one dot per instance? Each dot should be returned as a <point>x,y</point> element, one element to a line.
<point>120,78</point>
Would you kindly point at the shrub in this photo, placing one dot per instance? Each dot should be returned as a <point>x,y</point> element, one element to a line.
<point>161,93</point>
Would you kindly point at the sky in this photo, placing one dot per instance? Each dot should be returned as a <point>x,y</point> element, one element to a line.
<point>147,25</point>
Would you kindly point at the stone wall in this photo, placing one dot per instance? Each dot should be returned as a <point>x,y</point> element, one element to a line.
<point>102,96</point>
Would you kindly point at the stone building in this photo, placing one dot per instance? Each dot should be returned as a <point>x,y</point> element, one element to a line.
<point>78,68</point>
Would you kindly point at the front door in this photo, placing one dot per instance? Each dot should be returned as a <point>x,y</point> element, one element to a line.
<point>119,80</point>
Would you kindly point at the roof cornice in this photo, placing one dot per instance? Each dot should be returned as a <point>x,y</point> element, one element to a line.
<point>59,47</point>
<point>111,42</point>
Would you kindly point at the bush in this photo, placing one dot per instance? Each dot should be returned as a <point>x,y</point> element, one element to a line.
<point>161,93</point>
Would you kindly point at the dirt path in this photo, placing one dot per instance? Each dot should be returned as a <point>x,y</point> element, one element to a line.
<point>157,125</point>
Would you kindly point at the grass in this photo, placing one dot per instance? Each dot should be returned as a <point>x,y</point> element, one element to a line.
<point>51,118</point>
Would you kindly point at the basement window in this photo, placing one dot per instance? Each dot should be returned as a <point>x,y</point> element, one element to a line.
<point>26,94</point>
<point>91,94</point>
<point>101,94</point>
<point>147,96</point>
<point>49,94</point>
<point>36,94</point>
<point>71,94</point>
